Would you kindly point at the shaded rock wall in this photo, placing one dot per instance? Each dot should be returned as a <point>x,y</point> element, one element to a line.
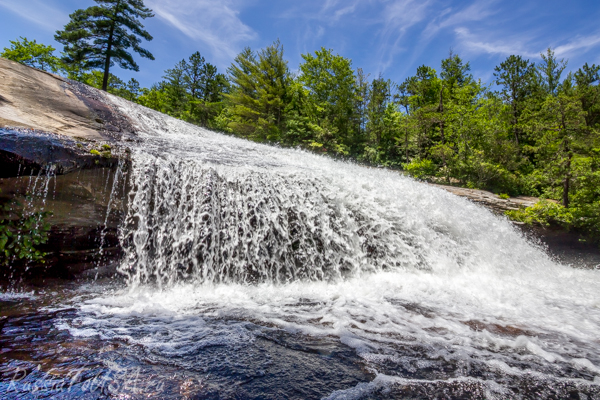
<point>87,207</point>
<point>63,150</point>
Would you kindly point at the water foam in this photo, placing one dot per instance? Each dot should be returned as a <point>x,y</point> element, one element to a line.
<point>425,286</point>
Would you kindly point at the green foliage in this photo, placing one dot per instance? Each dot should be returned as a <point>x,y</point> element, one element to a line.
<point>550,71</point>
<point>421,169</point>
<point>101,35</point>
<point>130,90</point>
<point>32,54</point>
<point>537,135</point>
<point>20,236</point>
<point>192,90</point>
<point>543,213</point>
<point>504,196</point>
<point>518,81</point>
<point>331,90</point>
<point>259,93</point>
<point>95,152</point>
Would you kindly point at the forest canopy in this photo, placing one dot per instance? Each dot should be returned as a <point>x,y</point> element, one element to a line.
<point>534,130</point>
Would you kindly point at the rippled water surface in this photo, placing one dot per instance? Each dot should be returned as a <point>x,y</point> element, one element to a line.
<point>257,272</point>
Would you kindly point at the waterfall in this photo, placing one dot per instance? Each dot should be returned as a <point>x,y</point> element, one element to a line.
<point>427,288</point>
<point>212,208</point>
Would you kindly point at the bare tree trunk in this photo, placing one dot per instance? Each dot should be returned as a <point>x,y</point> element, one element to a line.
<point>441,110</point>
<point>567,178</point>
<point>406,143</point>
<point>109,48</point>
<point>566,184</point>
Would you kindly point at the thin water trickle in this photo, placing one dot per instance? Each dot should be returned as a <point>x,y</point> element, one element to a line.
<point>260,272</point>
<point>118,178</point>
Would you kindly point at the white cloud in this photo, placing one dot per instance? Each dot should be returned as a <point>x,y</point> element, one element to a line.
<point>38,12</point>
<point>398,17</point>
<point>580,43</point>
<point>215,23</point>
<point>474,44</point>
<point>510,45</point>
<point>477,11</point>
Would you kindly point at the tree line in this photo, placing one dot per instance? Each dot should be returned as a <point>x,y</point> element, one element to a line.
<point>535,132</point>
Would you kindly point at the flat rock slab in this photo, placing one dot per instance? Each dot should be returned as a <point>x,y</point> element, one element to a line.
<point>41,101</point>
<point>33,99</point>
<point>491,200</point>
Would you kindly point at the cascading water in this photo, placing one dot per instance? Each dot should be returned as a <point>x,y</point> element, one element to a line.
<point>230,243</point>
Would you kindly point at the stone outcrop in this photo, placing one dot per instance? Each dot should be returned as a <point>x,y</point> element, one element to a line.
<point>37,100</point>
<point>490,200</point>
<point>62,150</point>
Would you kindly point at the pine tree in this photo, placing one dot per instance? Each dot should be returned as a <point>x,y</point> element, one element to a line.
<point>517,79</point>
<point>101,35</point>
<point>331,84</point>
<point>259,95</point>
<point>455,72</point>
<point>550,70</point>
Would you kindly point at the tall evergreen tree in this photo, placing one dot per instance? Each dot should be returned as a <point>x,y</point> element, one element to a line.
<point>331,84</point>
<point>259,93</point>
<point>174,86</point>
<point>550,70</point>
<point>517,79</point>
<point>101,35</point>
<point>455,72</point>
<point>587,79</point>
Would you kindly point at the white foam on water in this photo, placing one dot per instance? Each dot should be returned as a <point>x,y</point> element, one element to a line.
<point>402,272</point>
<point>16,296</point>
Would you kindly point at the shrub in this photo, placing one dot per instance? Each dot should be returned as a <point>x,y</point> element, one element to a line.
<point>21,234</point>
<point>421,169</point>
<point>543,213</point>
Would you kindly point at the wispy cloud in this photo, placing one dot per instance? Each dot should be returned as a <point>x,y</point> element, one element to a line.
<point>329,13</point>
<point>214,23</point>
<point>473,44</point>
<point>578,44</point>
<point>37,11</point>
<point>399,16</point>
<point>527,45</point>
<point>397,19</point>
<point>447,18</point>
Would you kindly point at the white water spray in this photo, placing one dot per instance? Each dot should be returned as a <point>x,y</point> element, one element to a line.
<point>422,284</point>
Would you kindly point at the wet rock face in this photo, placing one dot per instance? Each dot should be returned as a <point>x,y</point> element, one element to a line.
<point>27,152</point>
<point>63,149</point>
<point>86,209</point>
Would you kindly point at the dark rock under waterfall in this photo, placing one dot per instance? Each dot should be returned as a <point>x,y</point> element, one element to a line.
<point>61,149</point>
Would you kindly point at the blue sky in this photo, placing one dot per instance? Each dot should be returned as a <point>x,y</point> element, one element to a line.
<point>391,37</point>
